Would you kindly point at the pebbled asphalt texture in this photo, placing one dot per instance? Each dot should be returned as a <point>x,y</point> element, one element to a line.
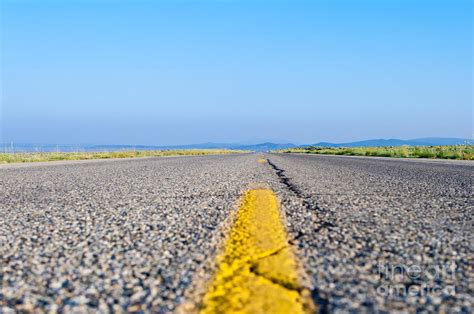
<point>374,235</point>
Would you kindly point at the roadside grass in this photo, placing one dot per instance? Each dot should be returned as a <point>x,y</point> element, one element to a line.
<point>54,156</point>
<point>460,152</point>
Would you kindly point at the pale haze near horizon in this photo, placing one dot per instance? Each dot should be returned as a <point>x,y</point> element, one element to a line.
<point>177,72</point>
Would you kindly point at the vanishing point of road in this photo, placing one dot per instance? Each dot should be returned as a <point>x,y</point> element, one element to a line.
<point>161,235</point>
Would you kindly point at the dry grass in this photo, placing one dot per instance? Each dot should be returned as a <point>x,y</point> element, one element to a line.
<point>461,152</point>
<point>52,156</point>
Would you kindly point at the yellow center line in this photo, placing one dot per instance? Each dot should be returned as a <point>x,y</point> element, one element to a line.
<point>257,271</point>
<point>262,161</point>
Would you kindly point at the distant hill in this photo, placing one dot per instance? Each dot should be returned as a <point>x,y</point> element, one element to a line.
<point>28,147</point>
<point>428,141</point>
<point>267,146</point>
<point>253,147</point>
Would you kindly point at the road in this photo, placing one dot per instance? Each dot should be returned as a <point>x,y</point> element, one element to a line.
<point>141,235</point>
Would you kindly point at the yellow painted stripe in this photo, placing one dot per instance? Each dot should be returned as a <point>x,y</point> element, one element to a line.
<point>262,161</point>
<point>257,272</point>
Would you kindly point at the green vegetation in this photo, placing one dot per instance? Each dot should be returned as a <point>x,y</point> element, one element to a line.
<point>463,152</point>
<point>51,156</point>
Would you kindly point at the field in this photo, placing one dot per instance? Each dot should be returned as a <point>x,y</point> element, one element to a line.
<point>53,156</point>
<point>461,152</point>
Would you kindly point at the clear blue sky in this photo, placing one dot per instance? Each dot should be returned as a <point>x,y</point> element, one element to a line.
<point>174,72</point>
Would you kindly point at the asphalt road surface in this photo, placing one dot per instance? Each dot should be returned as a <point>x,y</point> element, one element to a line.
<point>137,235</point>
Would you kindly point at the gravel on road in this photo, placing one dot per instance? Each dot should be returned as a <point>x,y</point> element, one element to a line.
<point>135,235</point>
<point>382,235</point>
<point>112,235</point>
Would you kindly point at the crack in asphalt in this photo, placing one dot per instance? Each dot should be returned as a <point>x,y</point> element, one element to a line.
<point>294,188</point>
<point>281,283</point>
<point>316,295</point>
<point>271,253</point>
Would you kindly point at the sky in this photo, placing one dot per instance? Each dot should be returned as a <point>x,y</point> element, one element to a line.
<point>177,72</point>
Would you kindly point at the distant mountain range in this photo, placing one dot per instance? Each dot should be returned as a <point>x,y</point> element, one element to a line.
<point>252,147</point>
<point>28,147</point>
<point>429,141</point>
